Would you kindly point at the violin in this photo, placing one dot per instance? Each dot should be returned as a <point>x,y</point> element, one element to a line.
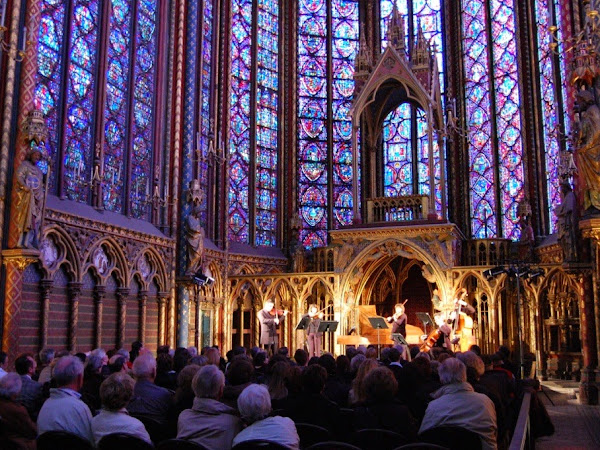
<point>278,312</point>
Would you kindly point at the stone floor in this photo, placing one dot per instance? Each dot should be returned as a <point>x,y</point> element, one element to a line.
<point>576,426</point>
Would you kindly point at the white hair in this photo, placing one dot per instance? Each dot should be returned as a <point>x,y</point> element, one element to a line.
<point>67,369</point>
<point>208,382</point>
<point>452,371</point>
<point>470,359</point>
<point>144,366</point>
<point>124,353</point>
<point>357,361</point>
<point>98,352</point>
<point>47,355</point>
<point>10,385</point>
<point>193,351</point>
<point>254,403</point>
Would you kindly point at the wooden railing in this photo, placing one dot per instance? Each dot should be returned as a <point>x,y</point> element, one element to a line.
<point>397,209</point>
<point>486,252</point>
<point>521,439</point>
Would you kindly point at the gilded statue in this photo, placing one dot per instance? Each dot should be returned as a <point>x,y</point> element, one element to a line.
<point>29,199</point>
<point>588,152</point>
<point>567,223</point>
<point>194,235</point>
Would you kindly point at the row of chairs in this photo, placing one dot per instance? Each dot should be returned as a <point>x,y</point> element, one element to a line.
<point>312,437</point>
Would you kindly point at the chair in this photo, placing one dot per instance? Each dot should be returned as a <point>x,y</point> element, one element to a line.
<point>380,439</point>
<point>333,445</point>
<point>312,434</point>
<point>158,431</point>
<point>123,441</point>
<point>454,438</point>
<point>180,444</point>
<point>258,444</point>
<point>52,440</point>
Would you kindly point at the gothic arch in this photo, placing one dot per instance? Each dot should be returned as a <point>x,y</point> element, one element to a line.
<point>116,264</point>
<point>68,255</point>
<point>157,270</point>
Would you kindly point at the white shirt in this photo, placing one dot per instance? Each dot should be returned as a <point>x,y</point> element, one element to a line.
<point>276,429</point>
<point>64,411</point>
<point>109,422</point>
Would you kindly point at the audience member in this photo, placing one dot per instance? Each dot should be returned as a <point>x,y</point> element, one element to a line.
<point>181,358</point>
<point>254,404</point>
<point>92,379</point>
<point>46,357</point>
<point>336,389</point>
<point>209,422</point>
<point>192,351</point>
<point>184,394</point>
<point>165,375</point>
<point>457,404</point>
<point>18,431</point>
<point>301,357</point>
<point>136,347</point>
<point>64,410</point>
<point>213,356</point>
<point>277,383</point>
<point>115,393</point>
<point>199,360</point>
<point>239,377</point>
<point>149,400</point>
<point>358,394</point>
<point>31,391</point>
<point>117,364</point>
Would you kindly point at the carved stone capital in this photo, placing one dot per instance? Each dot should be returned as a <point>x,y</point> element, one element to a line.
<point>74,288</point>
<point>46,287</point>
<point>122,293</point>
<point>20,257</point>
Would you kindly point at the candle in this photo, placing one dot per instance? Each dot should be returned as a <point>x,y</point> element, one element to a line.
<point>24,39</point>
<point>2,21</point>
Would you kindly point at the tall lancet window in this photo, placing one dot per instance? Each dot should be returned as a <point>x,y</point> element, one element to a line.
<point>72,93</point>
<point>327,46</point>
<point>254,126</point>
<point>405,138</point>
<point>492,101</point>
<point>552,88</point>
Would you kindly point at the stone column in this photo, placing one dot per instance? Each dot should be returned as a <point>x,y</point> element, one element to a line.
<point>74,293</point>
<point>143,296</point>
<point>171,329</point>
<point>15,261</point>
<point>99,294</point>
<point>122,294</point>
<point>588,391</point>
<point>183,311</point>
<point>197,318</point>
<point>162,317</point>
<point>45,289</point>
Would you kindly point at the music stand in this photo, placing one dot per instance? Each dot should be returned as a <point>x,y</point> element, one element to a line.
<point>327,326</point>
<point>399,339</point>
<point>378,323</point>
<point>426,319</point>
<point>303,324</point>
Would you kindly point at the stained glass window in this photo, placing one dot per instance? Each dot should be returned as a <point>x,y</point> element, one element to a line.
<point>492,101</point>
<point>327,45</point>
<point>70,87</point>
<point>254,127</point>
<point>405,138</point>
<point>552,93</point>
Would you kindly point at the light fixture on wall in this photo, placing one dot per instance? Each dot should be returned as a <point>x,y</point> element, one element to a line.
<point>18,54</point>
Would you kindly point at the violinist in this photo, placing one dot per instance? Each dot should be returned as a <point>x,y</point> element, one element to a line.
<point>270,319</point>
<point>398,320</point>
<point>312,335</point>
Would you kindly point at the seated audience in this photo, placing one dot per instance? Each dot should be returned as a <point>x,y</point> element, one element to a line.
<point>336,389</point>
<point>277,385</point>
<point>213,356</point>
<point>254,405</point>
<point>136,350</point>
<point>239,377</point>
<point>380,409</point>
<point>64,410</point>
<point>148,400</point>
<point>31,391</point>
<point>301,357</point>
<point>18,431</point>
<point>209,422</point>
<point>184,394</point>
<point>46,358</point>
<point>357,394</point>
<point>457,404</point>
<point>92,379</point>
<point>117,364</point>
<point>165,375</point>
<point>115,393</point>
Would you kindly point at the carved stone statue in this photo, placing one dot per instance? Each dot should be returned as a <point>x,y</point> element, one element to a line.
<point>527,240</point>
<point>567,223</point>
<point>195,239</point>
<point>299,259</point>
<point>29,199</point>
<point>588,151</point>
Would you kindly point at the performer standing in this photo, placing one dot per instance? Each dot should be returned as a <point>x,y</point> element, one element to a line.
<point>312,334</point>
<point>269,319</point>
<point>398,320</point>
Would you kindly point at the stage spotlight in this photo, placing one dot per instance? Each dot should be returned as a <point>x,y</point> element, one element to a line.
<point>534,273</point>
<point>492,273</point>
<point>201,279</point>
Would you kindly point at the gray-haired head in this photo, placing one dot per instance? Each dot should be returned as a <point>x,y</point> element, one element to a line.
<point>10,386</point>
<point>144,366</point>
<point>357,361</point>
<point>254,403</point>
<point>193,351</point>
<point>452,371</point>
<point>208,382</point>
<point>67,370</point>
<point>124,353</point>
<point>94,363</point>
<point>47,355</point>
<point>470,359</point>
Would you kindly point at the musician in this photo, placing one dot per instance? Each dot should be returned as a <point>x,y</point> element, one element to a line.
<point>398,320</point>
<point>461,302</point>
<point>312,335</point>
<point>269,319</point>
